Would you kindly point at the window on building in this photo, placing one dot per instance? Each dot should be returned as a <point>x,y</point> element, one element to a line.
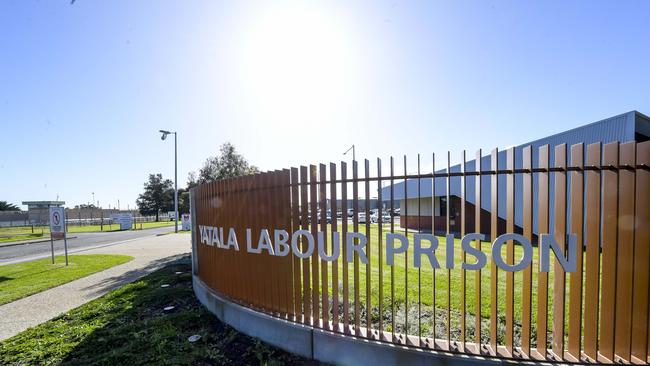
<point>443,206</point>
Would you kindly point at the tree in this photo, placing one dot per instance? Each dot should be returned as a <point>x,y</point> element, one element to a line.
<point>183,201</point>
<point>158,196</point>
<point>86,206</point>
<point>227,164</point>
<point>6,206</point>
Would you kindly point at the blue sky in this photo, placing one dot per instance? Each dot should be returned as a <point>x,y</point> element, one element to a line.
<point>84,88</point>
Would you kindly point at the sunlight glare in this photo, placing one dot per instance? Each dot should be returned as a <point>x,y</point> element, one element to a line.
<point>297,65</point>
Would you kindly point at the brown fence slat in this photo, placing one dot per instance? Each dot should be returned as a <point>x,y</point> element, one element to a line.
<point>463,274</point>
<point>322,194</point>
<point>448,213</point>
<point>285,204</point>
<point>368,250</point>
<point>238,185</point>
<point>271,262</point>
<point>559,279</point>
<point>640,340</point>
<point>306,275</point>
<point>433,231</point>
<point>256,297</point>
<point>380,234</point>
<point>313,220</point>
<point>625,256</point>
<point>419,269</point>
<point>406,256</point>
<point>247,184</point>
<point>280,261</point>
<point>494,220</point>
<point>610,218</point>
<point>542,227</point>
<point>477,275</point>
<point>575,289</point>
<point>392,230</point>
<point>344,230</point>
<point>527,281</point>
<point>592,257</point>
<point>335,263</point>
<point>295,226</point>
<point>510,251</point>
<point>355,225</point>
<point>269,284</point>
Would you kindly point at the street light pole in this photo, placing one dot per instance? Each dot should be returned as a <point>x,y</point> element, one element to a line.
<point>354,158</point>
<point>175,184</point>
<point>163,137</point>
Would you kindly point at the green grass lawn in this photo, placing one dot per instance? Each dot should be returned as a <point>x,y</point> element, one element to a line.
<point>442,277</point>
<point>9,234</point>
<point>129,327</point>
<point>7,239</point>
<point>23,279</point>
<point>151,225</point>
<point>446,282</point>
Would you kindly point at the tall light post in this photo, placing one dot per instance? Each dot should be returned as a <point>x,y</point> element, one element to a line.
<point>163,137</point>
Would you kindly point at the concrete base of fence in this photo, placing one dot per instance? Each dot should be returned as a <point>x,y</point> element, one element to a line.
<point>292,337</point>
<point>323,345</point>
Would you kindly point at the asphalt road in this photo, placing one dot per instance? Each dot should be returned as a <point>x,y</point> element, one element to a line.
<point>84,241</point>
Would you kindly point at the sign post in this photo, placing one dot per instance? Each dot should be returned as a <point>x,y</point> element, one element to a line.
<point>52,245</point>
<point>58,230</point>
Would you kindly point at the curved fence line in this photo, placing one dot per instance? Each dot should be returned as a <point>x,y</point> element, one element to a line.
<point>421,260</point>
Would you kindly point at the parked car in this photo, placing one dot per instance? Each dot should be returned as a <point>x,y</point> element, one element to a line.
<point>328,217</point>
<point>350,212</point>
<point>385,217</point>
<point>362,217</point>
<point>374,218</point>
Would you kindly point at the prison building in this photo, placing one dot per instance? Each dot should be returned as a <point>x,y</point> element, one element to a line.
<point>38,212</point>
<point>432,206</point>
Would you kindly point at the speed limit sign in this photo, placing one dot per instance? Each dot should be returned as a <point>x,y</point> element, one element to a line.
<point>57,221</point>
<point>57,230</point>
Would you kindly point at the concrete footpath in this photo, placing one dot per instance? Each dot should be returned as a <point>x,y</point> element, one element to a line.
<point>149,254</point>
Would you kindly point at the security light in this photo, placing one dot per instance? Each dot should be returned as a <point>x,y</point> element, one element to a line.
<point>164,137</point>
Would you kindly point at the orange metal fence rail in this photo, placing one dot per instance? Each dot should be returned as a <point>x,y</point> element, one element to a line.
<point>599,193</point>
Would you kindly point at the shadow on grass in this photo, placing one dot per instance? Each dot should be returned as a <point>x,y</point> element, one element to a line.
<point>130,276</point>
<point>129,326</point>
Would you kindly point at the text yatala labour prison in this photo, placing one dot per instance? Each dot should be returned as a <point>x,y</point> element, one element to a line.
<point>280,243</point>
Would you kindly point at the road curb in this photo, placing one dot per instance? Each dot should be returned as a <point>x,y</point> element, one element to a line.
<point>25,242</point>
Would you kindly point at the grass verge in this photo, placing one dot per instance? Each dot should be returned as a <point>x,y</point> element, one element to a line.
<point>20,233</point>
<point>21,237</point>
<point>129,327</point>
<point>23,279</point>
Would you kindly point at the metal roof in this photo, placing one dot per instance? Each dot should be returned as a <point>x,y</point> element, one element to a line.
<point>620,128</point>
<point>43,203</point>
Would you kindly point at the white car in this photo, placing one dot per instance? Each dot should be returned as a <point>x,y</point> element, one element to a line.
<point>373,218</point>
<point>362,217</point>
